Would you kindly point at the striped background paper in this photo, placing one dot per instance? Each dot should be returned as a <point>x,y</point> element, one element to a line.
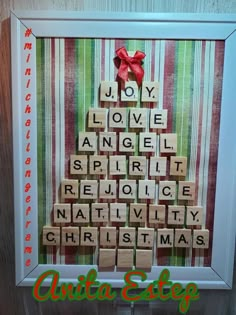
<point>69,72</point>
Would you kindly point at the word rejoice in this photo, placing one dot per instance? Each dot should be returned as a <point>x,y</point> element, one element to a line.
<point>91,289</point>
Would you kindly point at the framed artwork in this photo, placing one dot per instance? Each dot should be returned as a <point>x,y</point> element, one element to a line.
<point>124,149</point>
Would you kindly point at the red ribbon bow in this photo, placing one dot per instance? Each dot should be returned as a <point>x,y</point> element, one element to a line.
<point>134,63</point>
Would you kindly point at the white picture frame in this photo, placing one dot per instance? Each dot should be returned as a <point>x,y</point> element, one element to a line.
<point>122,25</point>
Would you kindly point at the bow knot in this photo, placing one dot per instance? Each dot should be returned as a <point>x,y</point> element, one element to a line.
<point>123,62</point>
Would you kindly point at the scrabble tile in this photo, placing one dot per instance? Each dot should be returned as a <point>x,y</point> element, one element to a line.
<point>99,212</point>
<point>87,141</point>
<point>146,189</point>
<point>137,213</point>
<point>165,238</point>
<point>127,189</point>
<point>183,238</point>
<point>201,238</point>
<point>69,189</point>
<point>61,213</point>
<point>78,164</point>
<point>145,237</point>
<point>130,92</point>
<point>157,166</point>
<point>176,215</point>
<point>118,212</point>
<point>108,91</point>
<point>108,236</point>
<point>178,165</point>
<point>117,117</point>
<point>125,258</point>
<point>143,259</point>
<point>70,236</point>
<point>157,214</point>
<point>127,236</point>
<point>88,189</point>
<point>186,190</point>
<point>51,235</point>
<point>137,165</point>
<point>107,258</point>
<point>97,118</point>
<point>138,118</point>
<point>107,141</point>
<point>88,236</point>
<point>167,190</point>
<point>117,164</point>
<point>150,91</point>
<point>158,118</point>
<point>194,215</point>
<point>80,213</point>
<point>168,143</point>
<point>147,142</point>
<point>98,164</point>
<point>107,189</point>
<point>127,141</point>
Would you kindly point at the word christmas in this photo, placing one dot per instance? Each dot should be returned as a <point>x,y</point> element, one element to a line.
<point>121,180</point>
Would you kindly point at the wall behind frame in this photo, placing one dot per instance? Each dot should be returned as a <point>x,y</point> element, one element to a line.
<point>19,300</point>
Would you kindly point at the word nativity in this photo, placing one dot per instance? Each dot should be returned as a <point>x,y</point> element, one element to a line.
<point>118,198</point>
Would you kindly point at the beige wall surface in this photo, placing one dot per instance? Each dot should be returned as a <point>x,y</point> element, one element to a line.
<point>19,300</point>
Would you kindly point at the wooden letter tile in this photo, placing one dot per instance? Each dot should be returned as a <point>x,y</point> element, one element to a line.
<point>97,118</point>
<point>157,166</point>
<point>147,142</point>
<point>70,236</point>
<point>127,236</point>
<point>165,238</point>
<point>51,235</point>
<point>80,213</point>
<point>69,189</point>
<point>137,165</point>
<point>186,191</point>
<point>108,236</point>
<point>89,236</point>
<point>130,92</point>
<point>143,259</point>
<point>125,258</point>
<point>78,164</point>
<point>127,189</point>
<point>137,213</point>
<point>61,213</point>
<point>87,141</point>
<point>183,238</point>
<point>127,141</point>
<point>117,118</point>
<point>150,91</point>
<point>88,189</point>
<point>107,189</point>
<point>168,143</point>
<point>107,141</point>
<point>145,237</point>
<point>107,258</point>
<point>146,189</point>
<point>117,165</point>
<point>108,91</point>
<point>178,165</point>
<point>157,214</point>
<point>176,215</point>
<point>118,212</point>
<point>98,164</point>
<point>138,118</point>
<point>158,118</point>
<point>194,215</point>
<point>99,212</point>
<point>167,190</point>
<point>200,238</point>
